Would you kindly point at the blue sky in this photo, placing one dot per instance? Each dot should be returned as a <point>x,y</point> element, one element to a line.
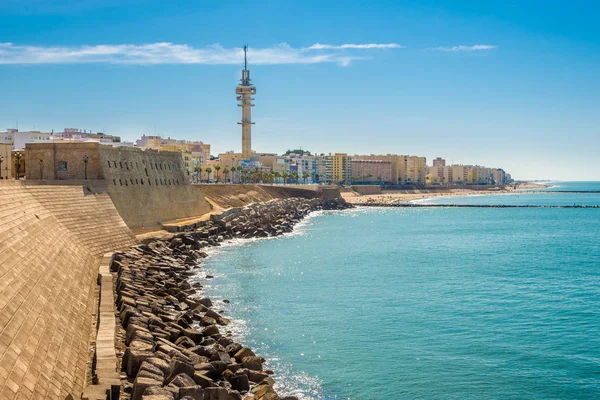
<point>512,84</point>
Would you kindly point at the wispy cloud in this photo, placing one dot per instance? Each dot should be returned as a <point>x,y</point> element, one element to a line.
<point>319,46</point>
<point>170,53</point>
<point>476,47</point>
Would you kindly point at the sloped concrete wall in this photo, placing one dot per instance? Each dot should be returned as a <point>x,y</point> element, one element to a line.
<point>150,187</point>
<point>50,241</point>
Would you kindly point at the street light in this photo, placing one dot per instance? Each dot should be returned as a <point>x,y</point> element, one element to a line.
<point>85,161</point>
<point>18,156</point>
<point>41,169</point>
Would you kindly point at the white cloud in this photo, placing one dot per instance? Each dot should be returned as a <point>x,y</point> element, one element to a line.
<point>476,47</point>
<point>170,53</point>
<point>319,46</point>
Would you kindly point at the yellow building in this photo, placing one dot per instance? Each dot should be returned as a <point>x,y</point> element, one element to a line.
<point>339,168</point>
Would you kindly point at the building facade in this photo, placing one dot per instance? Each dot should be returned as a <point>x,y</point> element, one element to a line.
<point>364,171</point>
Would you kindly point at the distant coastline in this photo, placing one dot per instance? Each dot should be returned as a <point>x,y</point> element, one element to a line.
<point>412,196</point>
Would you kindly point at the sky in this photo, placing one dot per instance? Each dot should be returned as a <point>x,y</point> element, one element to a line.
<point>510,84</point>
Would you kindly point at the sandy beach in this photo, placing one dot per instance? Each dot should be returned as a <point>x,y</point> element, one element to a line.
<point>406,196</point>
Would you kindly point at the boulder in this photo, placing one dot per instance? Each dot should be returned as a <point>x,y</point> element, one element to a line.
<point>264,392</point>
<point>135,357</point>
<point>177,367</point>
<point>182,380</point>
<point>203,380</point>
<point>194,334</point>
<point>158,393</point>
<point>219,393</point>
<point>194,392</point>
<point>240,382</point>
<point>140,384</point>
<point>210,330</point>
<point>254,363</point>
<point>243,353</point>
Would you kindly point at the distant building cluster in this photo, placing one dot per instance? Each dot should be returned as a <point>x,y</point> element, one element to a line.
<point>294,166</point>
<point>441,174</point>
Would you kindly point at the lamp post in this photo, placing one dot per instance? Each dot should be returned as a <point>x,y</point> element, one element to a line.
<point>41,169</point>
<point>85,161</point>
<point>1,159</point>
<point>18,156</point>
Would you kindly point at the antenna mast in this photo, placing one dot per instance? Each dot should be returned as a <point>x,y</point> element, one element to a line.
<point>245,59</point>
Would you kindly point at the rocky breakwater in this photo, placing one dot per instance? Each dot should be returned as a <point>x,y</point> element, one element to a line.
<point>174,343</point>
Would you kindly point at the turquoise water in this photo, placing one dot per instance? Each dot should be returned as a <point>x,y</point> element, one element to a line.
<point>539,199</point>
<point>443,303</point>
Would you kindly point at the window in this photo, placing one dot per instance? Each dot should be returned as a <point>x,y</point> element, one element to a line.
<point>108,164</point>
<point>114,182</point>
<point>146,170</point>
<point>121,164</point>
<point>62,166</point>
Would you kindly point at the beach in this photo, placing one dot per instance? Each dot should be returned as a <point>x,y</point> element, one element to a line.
<point>408,196</point>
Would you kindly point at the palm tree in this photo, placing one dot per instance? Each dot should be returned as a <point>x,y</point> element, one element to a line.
<point>240,169</point>
<point>198,170</point>
<point>217,168</point>
<point>305,175</point>
<point>226,171</point>
<point>296,177</point>
<point>277,174</point>
<point>208,171</point>
<point>285,176</point>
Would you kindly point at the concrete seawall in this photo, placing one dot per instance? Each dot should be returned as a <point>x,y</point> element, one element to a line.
<point>51,242</point>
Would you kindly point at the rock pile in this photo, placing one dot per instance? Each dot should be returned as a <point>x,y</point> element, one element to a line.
<point>173,344</point>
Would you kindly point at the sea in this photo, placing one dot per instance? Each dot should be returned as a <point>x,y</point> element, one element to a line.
<point>425,303</point>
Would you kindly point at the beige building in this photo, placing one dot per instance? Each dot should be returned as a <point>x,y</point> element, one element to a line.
<point>479,175</point>
<point>6,161</point>
<point>371,170</point>
<point>435,175</point>
<point>393,159</point>
<point>456,174</point>
<point>412,170</point>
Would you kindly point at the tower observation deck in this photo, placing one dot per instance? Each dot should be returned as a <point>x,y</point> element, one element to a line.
<point>245,90</point>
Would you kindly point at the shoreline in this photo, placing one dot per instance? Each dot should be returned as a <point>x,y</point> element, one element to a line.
<point>171,342</point>
<point>393,198</point>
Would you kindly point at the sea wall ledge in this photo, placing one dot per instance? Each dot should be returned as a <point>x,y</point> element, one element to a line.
<point>173,344</point>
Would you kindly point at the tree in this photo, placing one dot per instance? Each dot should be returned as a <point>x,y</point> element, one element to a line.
<point>285,176</point>
<point>240,172</point>
<point>198,170</point>
<point>277,174</point>
<point>217,168</point>
<point>305,176</point>
<point>208,171</point>
<point>296,177</point>
<point>226,171</point>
